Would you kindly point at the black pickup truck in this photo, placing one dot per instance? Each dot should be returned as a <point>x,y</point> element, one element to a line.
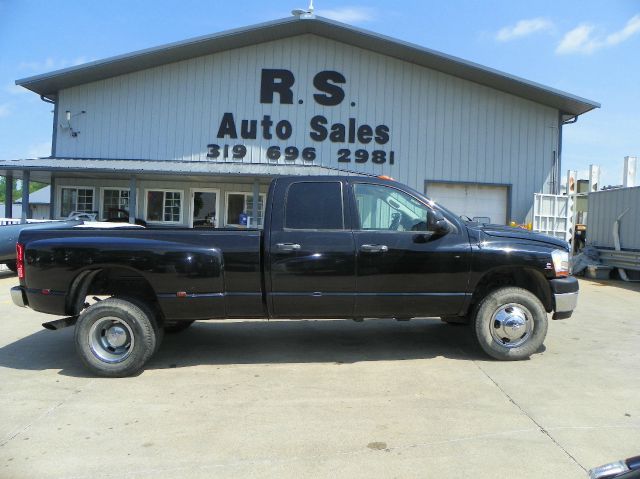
<point>331,247</point>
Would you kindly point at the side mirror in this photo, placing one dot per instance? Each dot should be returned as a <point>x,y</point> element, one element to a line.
<point>438,224</point>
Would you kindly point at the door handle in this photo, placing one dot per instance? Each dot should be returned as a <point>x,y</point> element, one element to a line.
<point>374,248</point>
<point>287,247</point>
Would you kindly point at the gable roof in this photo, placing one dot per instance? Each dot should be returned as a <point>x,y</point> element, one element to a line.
<point>48,84</point>
<point>41,196</point>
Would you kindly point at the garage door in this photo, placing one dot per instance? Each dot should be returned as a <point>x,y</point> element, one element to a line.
<point>474,201</point>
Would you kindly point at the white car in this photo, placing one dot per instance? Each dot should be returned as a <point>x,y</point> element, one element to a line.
<point>81,215</point>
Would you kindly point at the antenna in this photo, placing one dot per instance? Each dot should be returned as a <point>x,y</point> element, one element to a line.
<point>302,13</point>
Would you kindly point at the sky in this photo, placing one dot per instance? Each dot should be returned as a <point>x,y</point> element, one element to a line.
<point>590,48</point>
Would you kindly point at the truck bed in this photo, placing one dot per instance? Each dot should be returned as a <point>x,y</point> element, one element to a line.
<point>194,273</point>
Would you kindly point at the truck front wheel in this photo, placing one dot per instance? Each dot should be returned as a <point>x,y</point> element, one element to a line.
<point>510,324</point>
<point>116,337</point>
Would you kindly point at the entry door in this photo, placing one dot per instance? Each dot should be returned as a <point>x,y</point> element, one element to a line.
<point>403,269</point>
<point>312,253</point>
<point>205,208</point>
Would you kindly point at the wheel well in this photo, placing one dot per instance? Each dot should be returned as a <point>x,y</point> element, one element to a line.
<point>113,281</point>
<point>525,278</point>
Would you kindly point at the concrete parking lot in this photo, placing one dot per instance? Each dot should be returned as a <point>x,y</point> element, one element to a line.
<point>326,398</point>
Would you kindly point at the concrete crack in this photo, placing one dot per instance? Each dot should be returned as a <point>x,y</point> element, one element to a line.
<point>538,425</point>
<point>48,412</point>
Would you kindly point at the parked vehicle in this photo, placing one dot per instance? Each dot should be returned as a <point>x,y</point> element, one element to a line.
<point>331,247</point>
<point>9,237</point>
<point>122,216</point>
<point>625,469</point>
<point>83,215</point>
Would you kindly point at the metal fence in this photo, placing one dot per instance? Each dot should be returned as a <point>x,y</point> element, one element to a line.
<point>620,259</point>
<point>553,215</point>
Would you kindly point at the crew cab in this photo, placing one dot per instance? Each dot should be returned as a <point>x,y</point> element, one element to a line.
<point>351,247</point>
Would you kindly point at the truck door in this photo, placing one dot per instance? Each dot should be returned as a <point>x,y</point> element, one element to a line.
<point>311,256</point>
<point>403,268</point>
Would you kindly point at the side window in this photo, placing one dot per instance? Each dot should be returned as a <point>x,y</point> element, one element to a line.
<point>384,208</point>
<point>314,205</point>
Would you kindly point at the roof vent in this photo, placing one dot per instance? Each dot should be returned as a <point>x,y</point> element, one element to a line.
<point>301,13</point>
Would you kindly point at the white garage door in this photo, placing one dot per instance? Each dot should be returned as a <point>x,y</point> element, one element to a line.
<point>474,201</point>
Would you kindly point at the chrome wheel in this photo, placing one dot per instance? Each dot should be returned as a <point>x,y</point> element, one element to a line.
<point>111,339</point>
<point>511,325</point>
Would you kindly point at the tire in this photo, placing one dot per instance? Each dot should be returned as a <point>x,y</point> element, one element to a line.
<point>116,337</point>
<point>510,324</point>
<point>153,311</point>
<point>12,266</point>
<point>173,327</point>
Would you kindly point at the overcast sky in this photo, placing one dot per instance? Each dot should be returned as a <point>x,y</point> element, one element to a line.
<point>586,47</point>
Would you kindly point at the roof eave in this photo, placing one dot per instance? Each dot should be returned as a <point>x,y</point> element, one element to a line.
<point>49,84</point>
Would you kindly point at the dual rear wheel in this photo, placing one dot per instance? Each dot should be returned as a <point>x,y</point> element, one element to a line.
<point>117,336</point>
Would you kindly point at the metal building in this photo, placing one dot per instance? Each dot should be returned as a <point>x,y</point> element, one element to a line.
<point>190,133</point>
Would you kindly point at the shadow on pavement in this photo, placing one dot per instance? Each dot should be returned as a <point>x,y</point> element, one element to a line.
<point>260,342</point>
<point>615,283</point>
<point>5,273</point>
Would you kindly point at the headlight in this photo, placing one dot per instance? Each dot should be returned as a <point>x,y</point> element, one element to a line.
<point>560,262</point>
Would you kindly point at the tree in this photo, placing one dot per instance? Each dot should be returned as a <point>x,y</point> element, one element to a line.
<point>17,192</point>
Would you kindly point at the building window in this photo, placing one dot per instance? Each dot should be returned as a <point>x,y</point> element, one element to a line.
<point>164,206</point>
<point>241,204</point>
<point>114,203</point>
<point>75,199</point>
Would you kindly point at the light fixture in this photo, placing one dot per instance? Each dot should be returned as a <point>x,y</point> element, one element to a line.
<point>67,125</point>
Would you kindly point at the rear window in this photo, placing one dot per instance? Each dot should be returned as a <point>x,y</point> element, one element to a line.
<point>314,206</point>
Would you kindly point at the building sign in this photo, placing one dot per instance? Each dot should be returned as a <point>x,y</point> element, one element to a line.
<point>359,141</point>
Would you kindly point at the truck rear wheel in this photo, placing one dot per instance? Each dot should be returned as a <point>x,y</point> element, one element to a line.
<point>510,324</point>
<point>116,337</point>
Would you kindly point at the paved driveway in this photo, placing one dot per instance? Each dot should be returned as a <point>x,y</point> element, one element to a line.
<point>326,399</point>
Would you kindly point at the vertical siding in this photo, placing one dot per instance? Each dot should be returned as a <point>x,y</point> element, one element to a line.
<point>441,127</point>
<point>604,209</point>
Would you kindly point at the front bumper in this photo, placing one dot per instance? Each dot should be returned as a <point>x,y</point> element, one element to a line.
<point>565,294</point>
<point>18,297</point>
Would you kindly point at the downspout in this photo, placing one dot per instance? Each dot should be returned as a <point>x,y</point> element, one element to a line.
<point>560,125</point>
<point>55,122</point>
<point>54,136</point>
<point>559,159</point>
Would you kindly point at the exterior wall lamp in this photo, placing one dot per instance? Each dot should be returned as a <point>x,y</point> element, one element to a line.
<point>67,124</point>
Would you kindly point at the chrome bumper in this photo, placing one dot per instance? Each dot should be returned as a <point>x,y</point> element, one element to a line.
<point>565,304</point>
<point>17,296</point>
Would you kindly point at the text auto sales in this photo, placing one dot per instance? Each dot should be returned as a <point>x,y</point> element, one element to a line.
<point>329,93</point>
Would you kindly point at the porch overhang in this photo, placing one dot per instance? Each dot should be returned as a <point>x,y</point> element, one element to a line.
<point>43,169</point>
